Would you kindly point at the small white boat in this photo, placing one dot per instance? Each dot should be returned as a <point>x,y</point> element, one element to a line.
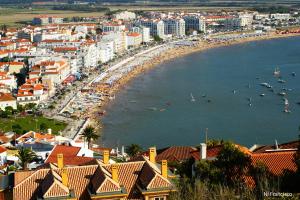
<point>281,81</point>
<point>286,101</point>
<point>192,98</point>
<point>262,95</point>
<point>276,72</point>
<point>233,91</point>
<point>282,93</point>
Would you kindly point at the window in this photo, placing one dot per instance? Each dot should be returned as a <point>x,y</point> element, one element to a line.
<point>159,198</point>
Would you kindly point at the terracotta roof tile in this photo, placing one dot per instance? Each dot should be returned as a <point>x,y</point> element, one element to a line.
<point>276,162</point>
<point>70,156</point>
<point>175,153</point>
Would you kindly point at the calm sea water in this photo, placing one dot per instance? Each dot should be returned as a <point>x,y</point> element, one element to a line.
<point>156,108</point>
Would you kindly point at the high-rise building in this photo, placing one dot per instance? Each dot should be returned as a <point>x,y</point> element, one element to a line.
<point>175,27</point>
<point>194,23</point>
<point>157,27</point>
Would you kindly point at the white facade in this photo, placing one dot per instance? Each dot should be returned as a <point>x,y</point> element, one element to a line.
<point>134,39</point>
<point>246,20</point>
<point>119,40</point>
<point>106,51</point>
<point>6,100</point>
<point>175,27</point>
<point>125,15</point>
<point>194,23</point>
<point>280,16</point>
<point>157,27</point>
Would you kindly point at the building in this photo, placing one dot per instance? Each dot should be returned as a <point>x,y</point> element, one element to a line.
<point>112,27</point>
<point>31,93</point>
<point>130,180</point>
<point>55,70</point>
<point>9,80</point>
<point>106,51</point>
<point>175,27</point>
<point>134,39</point>
<point>145,31</point>
<point>44,20</point>
<point>246,20</point>
<point>56,20</point>
<point>125,15</point>
<point>280,16</point>
<point>157,27</point>
<point>119,40</point>
<point>194,23</point>
<point>12,67</point>
<point>7,100</point>
<point>41,20</point>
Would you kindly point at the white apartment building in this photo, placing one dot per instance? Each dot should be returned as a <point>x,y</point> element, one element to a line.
<point>125,15</point>
<point>145,31</point>
<point>134,39</point>
<point>175,27</point>
<point>194,23</point>
<point>106,51</point>
<point>8,80</point>
<point>119,40</point>
<point>113,27</point>
<point>259,16</point>
<point>157,27</point>
<point>246,20</point>
<point>280,16</point>
<point>6,100</point>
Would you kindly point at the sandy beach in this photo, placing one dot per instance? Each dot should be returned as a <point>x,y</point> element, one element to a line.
<point>169,54</point>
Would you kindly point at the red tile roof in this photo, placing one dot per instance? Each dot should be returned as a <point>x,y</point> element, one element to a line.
<point>276,162</point>
<point>70,156</point>
<point>6,97</point>
<point>175,153</point>
<point>95,177</point>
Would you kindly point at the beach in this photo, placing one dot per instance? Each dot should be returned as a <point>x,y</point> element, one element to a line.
<point>116,77</point>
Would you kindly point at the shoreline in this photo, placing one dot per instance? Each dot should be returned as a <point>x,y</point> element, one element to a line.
<point>171,54</point>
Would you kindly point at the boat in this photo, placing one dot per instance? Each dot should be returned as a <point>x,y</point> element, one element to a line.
<point>276,72</point>
<point>281,81</point>
<point>262,95</point>
<point>267,85</point>
<point>293,73</point>
<point>250,99</point>
<point>192,98</point>
<point>250,104</point>
<point>234,91</point>
<point>282,93</point>
<point>286,101</point>
<point>203,95</point>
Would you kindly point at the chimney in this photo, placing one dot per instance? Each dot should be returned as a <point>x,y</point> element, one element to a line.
<point>49,131</point>
<point>114,172</point>
<point>152,154</point>
<point>60,160</point>
<point>164,168</point>
<point>203,151</point>
<point>64,176</point>
<point>106,156</point>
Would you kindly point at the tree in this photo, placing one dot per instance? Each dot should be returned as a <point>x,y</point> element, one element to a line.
<point>89,134</point>
<point>43,127</point>
<point>233,164</point>
<point>133,149</point>
<point>25,156</point>
<point>16,128</point>
<point>157,38</point>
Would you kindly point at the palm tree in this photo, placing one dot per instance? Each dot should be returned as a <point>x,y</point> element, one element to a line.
<point>25,155</point>
<point>133,149</point>
<point>89,134</point>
